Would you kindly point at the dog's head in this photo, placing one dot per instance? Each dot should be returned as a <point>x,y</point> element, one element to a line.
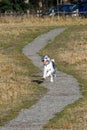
<point>45,59</point>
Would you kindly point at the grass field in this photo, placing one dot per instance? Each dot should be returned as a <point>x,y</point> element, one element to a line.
<point>17,90</point>
<point>70,53</point>
<point>16,72</point>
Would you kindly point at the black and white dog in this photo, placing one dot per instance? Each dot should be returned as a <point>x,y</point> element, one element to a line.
<point>49,68</point>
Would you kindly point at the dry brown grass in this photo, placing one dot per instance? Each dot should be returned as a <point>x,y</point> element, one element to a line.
<point>13,81</point>
<point>16,87</point>
<point>15,70</point>
<point>12,86</point>
<point>76,53</point>
<point>70,53</point>
<point>45,21</point>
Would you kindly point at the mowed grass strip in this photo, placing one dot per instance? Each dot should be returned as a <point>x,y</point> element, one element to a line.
<point>70,53</point>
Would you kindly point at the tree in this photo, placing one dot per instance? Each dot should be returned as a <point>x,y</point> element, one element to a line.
<point>14,5</point>
<point>5,5</point>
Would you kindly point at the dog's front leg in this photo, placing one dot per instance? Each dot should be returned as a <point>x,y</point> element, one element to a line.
<point>51,78</point>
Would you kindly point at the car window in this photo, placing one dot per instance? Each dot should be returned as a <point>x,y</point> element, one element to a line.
<point>74,7</point>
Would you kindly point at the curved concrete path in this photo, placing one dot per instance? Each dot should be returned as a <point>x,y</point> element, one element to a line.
<point>63,91</point>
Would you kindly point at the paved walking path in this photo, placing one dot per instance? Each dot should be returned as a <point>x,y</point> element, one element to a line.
<point>63,91</point>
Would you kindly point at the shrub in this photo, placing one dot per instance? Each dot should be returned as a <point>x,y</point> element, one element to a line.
<point>16,6</point>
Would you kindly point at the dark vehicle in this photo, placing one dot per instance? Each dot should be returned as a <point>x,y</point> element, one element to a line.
<point>69,9</point>
<point>52,11</point>
<point>83,10</point>
<point>82,1</point>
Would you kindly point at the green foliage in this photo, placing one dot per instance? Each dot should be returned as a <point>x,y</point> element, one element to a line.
<point>14,5</point>
<point>5,5</point>
<point>24,6</point>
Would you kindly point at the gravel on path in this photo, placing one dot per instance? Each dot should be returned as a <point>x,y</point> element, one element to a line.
<point>63,91</point>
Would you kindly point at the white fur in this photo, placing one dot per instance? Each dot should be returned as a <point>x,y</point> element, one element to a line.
<point>48,71</point>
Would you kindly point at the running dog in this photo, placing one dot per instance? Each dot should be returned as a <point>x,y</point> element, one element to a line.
<point>49,68</point>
